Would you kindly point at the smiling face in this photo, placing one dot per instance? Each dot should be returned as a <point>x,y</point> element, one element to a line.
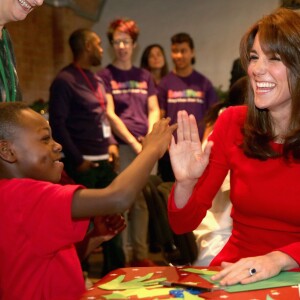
<point>269,80</point>
<point>36,154</point>
<point>16,10</point>
<point>182,56</point>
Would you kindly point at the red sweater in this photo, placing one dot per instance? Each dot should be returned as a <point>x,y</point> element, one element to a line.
<point>265,196</point>
<point>37,257</point>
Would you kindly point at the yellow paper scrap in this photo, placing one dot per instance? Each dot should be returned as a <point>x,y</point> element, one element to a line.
<point>140,292</point>
<point>200,271</point>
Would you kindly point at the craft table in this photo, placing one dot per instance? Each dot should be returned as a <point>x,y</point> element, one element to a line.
<point>179,274</point>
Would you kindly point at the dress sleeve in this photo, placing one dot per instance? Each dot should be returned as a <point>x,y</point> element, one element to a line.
<point>293,250</point>
<point>190,216</point>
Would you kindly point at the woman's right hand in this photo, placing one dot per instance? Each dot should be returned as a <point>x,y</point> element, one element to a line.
<point>187,158</point>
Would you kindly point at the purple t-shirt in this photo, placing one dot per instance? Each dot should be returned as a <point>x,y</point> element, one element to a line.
<point>130,90</point>
<point>194,93</point>
<point>77,113</point>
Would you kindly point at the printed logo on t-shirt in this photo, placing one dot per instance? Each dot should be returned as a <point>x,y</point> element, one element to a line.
<point>129,87</point>
<point>185,96</point>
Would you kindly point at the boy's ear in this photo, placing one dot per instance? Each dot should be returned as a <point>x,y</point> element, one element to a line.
<point>6,152</point>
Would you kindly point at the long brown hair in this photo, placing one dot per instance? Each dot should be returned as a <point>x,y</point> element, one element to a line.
<point>279,33</point>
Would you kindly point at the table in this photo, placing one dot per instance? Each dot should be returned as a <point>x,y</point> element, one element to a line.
<point>179,275</point>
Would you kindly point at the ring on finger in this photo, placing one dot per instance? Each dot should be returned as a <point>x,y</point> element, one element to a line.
<point>252,271</point>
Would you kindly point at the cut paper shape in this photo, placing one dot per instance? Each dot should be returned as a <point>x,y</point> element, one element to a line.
<point>200,271</point>
<point>140,293</point>
<point>147,293</point>
<point>143,281</point>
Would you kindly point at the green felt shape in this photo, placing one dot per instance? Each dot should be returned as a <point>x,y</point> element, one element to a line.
<point>136,283</point>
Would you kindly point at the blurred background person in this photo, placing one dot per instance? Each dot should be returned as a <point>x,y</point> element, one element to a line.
<point>183,88</point>
<point>132,108</point>
<point>154,60</point>
<point>11,10</point>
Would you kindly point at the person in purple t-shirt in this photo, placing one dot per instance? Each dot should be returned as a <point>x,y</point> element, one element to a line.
<point>132,108</point>
<point>183,89</point>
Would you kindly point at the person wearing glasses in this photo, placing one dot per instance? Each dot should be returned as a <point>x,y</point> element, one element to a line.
<point>132,108</point>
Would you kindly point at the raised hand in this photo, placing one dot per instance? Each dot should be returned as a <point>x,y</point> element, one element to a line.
<point>187,158</point>
<point>160,136</point>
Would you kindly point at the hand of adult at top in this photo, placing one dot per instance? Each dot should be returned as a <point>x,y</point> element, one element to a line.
<point>187,158</point>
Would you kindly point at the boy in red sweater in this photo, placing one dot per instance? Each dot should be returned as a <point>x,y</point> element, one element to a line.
<point>41,220</point>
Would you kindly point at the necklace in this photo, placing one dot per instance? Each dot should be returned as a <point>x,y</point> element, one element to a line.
<point>11,68</point>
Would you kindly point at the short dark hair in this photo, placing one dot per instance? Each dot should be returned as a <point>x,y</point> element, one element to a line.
<point>10,118</point>
<point>78,39</point>
<point>183,37</point>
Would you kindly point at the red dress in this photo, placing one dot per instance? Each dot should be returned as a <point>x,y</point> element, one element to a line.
<point>265,196</point>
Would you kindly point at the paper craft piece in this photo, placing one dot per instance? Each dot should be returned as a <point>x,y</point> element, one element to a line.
<point>146,293</point>
<point>269,297</point>
<point>189,296</point>
<point>282,279</point>
<point>118,283</point>
<point>200,271</point>
<point>141,293</point>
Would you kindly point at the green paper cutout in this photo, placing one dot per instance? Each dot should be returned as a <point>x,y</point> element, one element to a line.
<point>200,271</point>
<point>269,297</point>
<point>136,283</point>
<point>280,280</point>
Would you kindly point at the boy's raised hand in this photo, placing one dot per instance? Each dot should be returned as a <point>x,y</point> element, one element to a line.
<point>187,158</point>
<point>160,136</point>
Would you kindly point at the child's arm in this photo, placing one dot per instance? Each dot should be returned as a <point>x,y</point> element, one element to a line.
<point>121,193</point>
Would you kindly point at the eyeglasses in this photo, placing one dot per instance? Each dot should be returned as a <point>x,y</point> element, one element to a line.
<point>126,43</point>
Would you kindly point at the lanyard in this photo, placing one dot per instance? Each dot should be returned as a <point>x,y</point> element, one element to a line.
<point>97,92</point>
<point>9,97</point>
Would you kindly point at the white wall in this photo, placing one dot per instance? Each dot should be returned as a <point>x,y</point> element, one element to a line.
<point>215,25</point>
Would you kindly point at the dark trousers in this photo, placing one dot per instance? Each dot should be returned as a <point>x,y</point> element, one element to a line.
<point>100,177</point>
